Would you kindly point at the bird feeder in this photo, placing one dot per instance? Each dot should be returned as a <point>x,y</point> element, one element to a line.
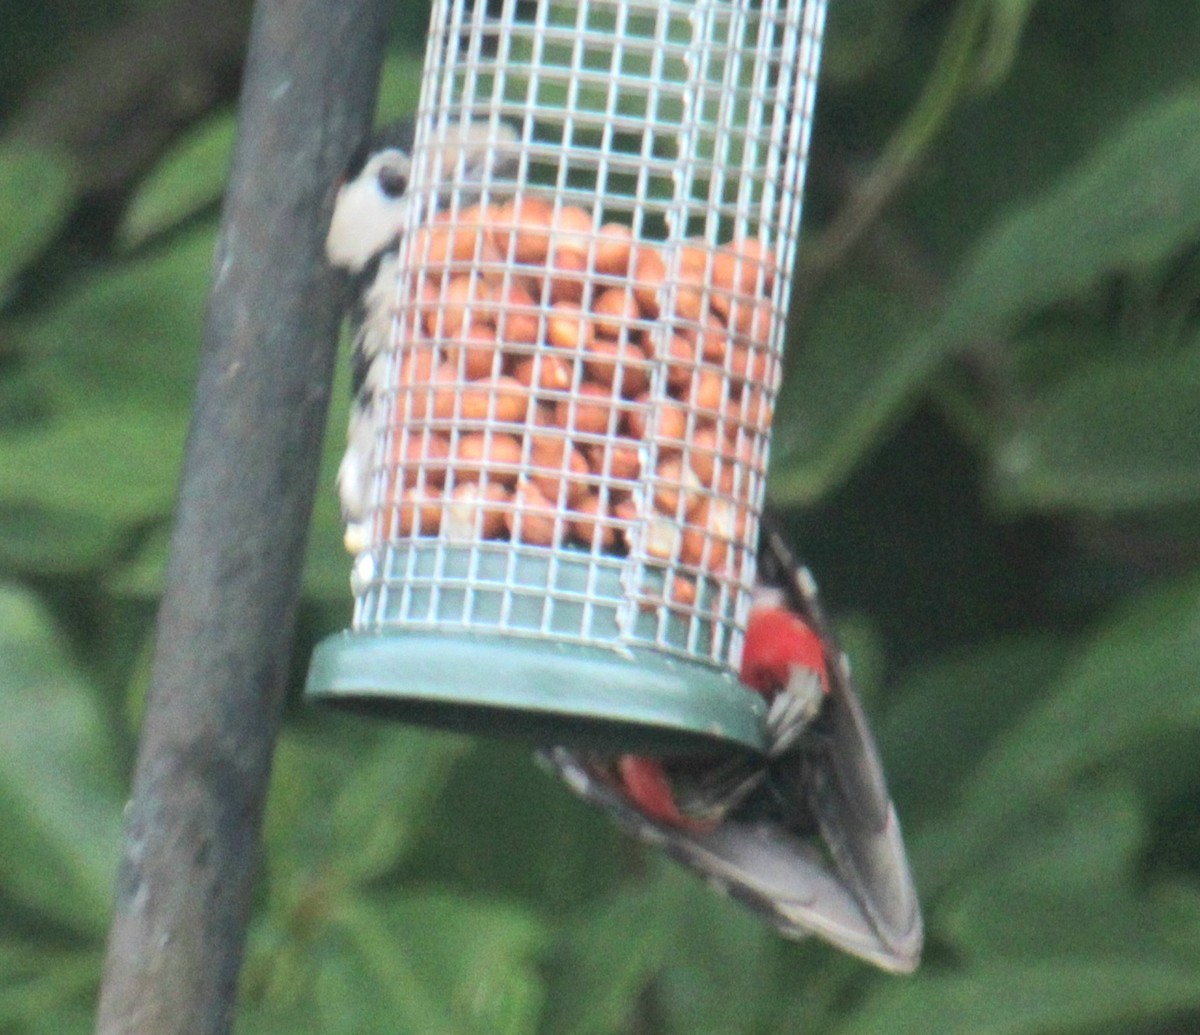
<point>572,430</point>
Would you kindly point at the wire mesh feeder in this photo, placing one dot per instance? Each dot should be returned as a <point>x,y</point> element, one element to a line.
<point>586,352</point>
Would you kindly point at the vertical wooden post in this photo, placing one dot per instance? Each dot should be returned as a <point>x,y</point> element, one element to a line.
<point>225,626</point>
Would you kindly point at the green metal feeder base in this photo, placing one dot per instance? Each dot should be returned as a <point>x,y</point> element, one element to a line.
<point>544,692</point>
<point>519,668</point>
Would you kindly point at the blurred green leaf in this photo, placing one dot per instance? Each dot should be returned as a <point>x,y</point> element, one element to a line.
<point>37,190</point>
<point>117,462</point>
<point>1065,887</point>
<point>1115,433</point>
<point>142,572</point>
<point>116,360</point>
<point>128,336</point>
<point>378,786</point>
<point>399,87</point>
<point>845,378</point>
<point>864,356</point>
<point>430,962</point>
<point>384,807</point>
<point>1087,839</point>
<point>607,957</point>
<point>72,1019</point>
<point>1135,679</point>
<point>186,181</point>
<point>664,951</point>
<point>1061,885</point>
<point>60,800</point>
<point>1007,21</point>
<point>860,36</point>
<point>565,856</point>
<point>1133,204</point>
<point>1023,997</point>
<point>37,538</point>
<point>719,954</point>
<point>327,566</point>
<point>979,694</point>
<point>36,984</point>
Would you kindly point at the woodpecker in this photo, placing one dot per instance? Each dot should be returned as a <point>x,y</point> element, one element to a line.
<point>806,835</point>
<point>370,213</point>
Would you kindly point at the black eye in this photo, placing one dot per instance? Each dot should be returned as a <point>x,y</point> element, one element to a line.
<point>392,182</point>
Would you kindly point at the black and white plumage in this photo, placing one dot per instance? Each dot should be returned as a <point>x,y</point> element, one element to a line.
<point>806,836</point>
<point>370,214</point>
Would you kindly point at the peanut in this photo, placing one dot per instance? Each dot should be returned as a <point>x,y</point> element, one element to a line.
<point>615,459</point>
<point>682,357</point>
<point>663,421</point>
<point>543,372</point>
<point>592,411</point>
<point>521,228</point>
<point>614,312</point>
<point>567,327</point>
<point>533,518</point>
<point>415,453</point>
<point>752,321</point>
<point>478,453</point>
<point>500,398</point>
<point>702,452</point>
<point>689,301</point>
<point>457,239</point>
<point>567,275</point>
<point>661,537</point>
<point>420,377</point>
<point>573,230</point>
<point>419,512</point>
<point>606,361</point>
<point>714,340</point>
<point>614,243</point>
<point>693,262</point>
<point>552,460</point>
<point>677,484</point>
<point>706,536</point>
<point>476,352</point>
<point>592,526</point>
<point>515,313</point>
<point>737,267</point>
<point>649,272</point>
<point>683,591</point>
<point>475,511</point>
<point>706,390</point>
<point>463,302</point>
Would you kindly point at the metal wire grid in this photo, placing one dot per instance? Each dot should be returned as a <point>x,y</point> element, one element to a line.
<point>575,442</point>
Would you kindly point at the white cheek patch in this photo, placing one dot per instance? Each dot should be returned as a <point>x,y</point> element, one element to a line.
<point>365,220</point>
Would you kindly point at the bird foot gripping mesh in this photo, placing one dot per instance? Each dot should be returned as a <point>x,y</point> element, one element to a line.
<point>571,428</point>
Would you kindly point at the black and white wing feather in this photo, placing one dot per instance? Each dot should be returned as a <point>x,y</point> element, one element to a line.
<point>817,848</point>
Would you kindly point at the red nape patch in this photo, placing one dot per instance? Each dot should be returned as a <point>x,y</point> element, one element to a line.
<point>777,640</point>
<point>647,787</point>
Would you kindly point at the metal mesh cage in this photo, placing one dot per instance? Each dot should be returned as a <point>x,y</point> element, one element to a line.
<point>590,305</point>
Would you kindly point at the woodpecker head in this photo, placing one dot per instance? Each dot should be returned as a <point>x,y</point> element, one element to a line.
<point>372,199</point>
<point>371,208</point>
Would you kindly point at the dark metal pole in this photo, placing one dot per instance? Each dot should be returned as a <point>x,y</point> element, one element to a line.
<point>226,621</point>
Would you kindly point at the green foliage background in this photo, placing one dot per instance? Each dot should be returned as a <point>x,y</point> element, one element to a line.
<point>988,449</point>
